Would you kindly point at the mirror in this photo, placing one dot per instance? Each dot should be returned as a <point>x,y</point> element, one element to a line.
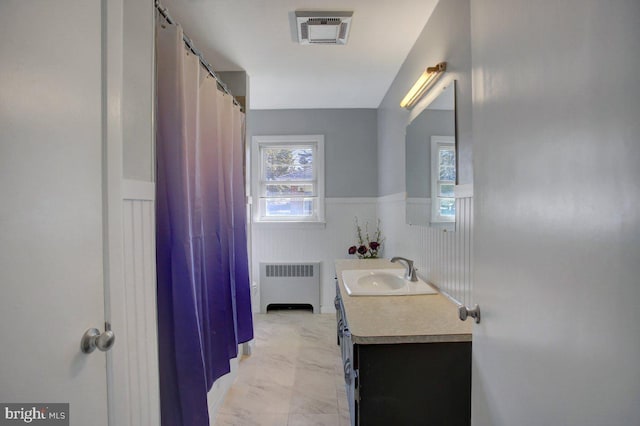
<point>430,140</point>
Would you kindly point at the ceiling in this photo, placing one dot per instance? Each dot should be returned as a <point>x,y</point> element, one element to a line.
<point>259,37</point>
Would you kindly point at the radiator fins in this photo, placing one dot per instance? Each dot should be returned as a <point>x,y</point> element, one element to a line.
<point>289,270</point>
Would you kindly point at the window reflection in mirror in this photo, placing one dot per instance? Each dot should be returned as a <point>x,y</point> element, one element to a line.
<point>430,161</point>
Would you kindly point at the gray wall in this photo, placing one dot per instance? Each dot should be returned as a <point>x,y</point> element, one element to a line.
<point>431,122</point>
<point>138,97</point>
<point>236,81</point>
<point>350,144</point>
<point>446,37</point>
<point>557,212</point>
<point>238,84</point>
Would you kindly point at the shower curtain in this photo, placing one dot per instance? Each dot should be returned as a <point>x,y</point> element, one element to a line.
<point>204,306</point>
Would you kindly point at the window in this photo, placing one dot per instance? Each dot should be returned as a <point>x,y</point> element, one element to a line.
<point>443,179</point>
<point>290,178</point>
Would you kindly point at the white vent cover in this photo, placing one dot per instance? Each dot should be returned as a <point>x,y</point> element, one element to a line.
<point>323,27</point>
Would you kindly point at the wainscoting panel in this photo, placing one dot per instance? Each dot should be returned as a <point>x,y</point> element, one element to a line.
<point>463,250</point>
<point>279,243</point>
<point>139,337</point>
<point>442,255</point>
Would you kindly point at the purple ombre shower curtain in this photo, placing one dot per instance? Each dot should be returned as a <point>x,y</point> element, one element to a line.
<point>204,306</point>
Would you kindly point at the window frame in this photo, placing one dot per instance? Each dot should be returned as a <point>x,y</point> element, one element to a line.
<point>259,143</point>
<point>436,143</point>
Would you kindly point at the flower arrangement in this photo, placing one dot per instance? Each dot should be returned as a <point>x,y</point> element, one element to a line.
<point>367,247</point>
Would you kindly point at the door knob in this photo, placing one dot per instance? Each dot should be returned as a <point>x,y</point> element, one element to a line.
<point>464,312</point>
<point>93,339</point>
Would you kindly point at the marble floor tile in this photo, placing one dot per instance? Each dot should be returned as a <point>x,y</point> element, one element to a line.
<point>293,376</point>
<point>314,381</point>
<point>312,402</point>
<point>343,403</point>
<point>260,396</point>
<point>277,367</point>
<point>343,418</point>
<point>260,419</point>
<point>300,419</point>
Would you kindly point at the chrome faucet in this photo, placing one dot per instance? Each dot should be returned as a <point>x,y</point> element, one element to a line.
<point>411,271</point>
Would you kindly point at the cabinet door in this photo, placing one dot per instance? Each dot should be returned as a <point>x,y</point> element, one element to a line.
<point>415,384</point>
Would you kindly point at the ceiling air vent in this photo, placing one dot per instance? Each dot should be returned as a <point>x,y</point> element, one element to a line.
<point>323,27</point>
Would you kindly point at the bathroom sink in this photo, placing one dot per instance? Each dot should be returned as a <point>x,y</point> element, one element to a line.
<point>382,282</point>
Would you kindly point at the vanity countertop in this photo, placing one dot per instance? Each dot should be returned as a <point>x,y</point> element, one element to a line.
<point>427,318</point>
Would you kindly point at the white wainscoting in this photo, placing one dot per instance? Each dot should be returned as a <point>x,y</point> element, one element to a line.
<point>443,257</point>
<point>136,348</point>
<point>462,284</point>
<point>300,243</point>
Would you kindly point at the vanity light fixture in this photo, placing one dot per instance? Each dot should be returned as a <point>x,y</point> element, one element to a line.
<point>424,83</point>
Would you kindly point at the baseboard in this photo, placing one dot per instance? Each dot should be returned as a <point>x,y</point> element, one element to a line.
<point>327,310</point>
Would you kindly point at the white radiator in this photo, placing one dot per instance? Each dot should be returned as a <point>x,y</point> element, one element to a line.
<point>290,283</point>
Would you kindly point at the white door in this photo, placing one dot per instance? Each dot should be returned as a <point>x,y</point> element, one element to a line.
<point>557,213</point>
<point>52,119</point>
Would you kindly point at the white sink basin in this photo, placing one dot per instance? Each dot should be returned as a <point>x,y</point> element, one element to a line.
<point>382,282</point>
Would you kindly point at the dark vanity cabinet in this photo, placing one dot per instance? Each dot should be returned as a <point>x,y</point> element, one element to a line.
<point>404,383</point>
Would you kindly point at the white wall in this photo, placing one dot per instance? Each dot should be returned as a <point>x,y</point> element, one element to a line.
<point>442,257</point>
<point>556,108</point>
<point>135,312</point>
<point>300,243</point>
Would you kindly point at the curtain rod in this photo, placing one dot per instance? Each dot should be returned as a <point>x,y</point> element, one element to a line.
<point>187,41</point>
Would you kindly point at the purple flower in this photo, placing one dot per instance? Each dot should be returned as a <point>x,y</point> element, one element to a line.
<point>352,250</point>
<point>374,245</point>
<point>362,250</point>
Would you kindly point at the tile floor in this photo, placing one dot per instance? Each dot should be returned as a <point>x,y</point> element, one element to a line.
<point>294,376</point>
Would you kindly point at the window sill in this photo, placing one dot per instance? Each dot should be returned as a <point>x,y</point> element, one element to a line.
<point>289,225</point>
<point>445,226</point>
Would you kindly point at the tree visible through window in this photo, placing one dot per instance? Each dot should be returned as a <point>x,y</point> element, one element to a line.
<point>443,179</point>
<point>290,178</point>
